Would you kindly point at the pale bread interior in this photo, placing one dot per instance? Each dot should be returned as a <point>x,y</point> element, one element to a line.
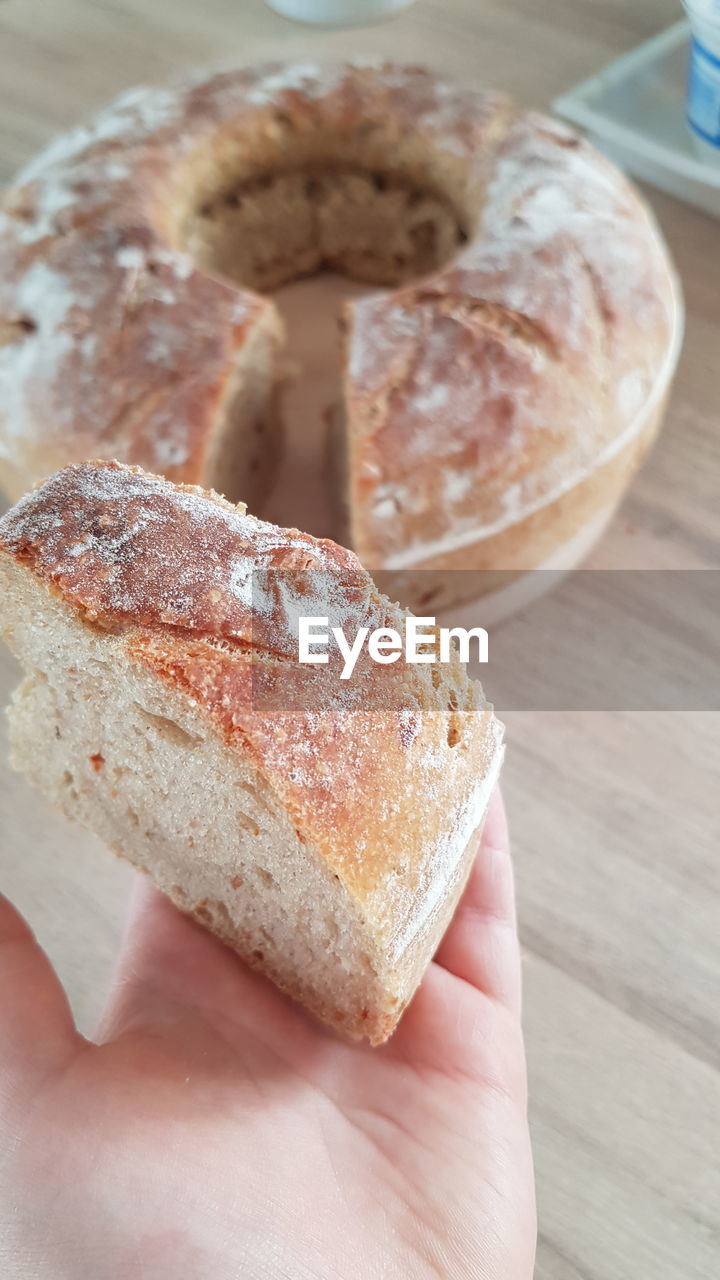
<point>145,768</point>
<point>245,447</point>
<point>272,229</point>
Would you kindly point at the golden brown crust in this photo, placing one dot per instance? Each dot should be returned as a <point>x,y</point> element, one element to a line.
<point>131,549</point>
<point>483,566</point>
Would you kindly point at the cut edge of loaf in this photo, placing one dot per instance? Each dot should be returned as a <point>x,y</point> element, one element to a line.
<point>244,446</point>
<point>132,759</point>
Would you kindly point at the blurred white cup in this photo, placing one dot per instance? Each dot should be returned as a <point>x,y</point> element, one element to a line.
<point>338,13</point>
<point>703,104</point>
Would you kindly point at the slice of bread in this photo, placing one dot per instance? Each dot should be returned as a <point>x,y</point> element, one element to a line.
<point>323,828</point>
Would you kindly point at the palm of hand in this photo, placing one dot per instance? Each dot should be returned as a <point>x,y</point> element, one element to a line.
<point>216,1132</point>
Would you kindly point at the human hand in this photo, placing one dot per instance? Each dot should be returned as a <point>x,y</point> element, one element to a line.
<point>215,1132</point>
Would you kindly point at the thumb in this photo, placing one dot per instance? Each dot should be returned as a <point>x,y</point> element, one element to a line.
<point>37,1030</point>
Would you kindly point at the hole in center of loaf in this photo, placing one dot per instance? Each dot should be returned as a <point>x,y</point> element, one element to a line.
<point>308,485</point>
<point>314,215</point>
<point>267,229</point>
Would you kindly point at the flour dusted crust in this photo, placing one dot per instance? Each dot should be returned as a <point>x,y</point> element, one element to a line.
<point>385,784</point>
<point>475,397</point>
<point>487,391</point>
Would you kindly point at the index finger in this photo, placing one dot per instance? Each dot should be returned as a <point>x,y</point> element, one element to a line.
<point>481,944</point>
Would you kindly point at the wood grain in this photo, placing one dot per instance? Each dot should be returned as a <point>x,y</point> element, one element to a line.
<point>615,816</point>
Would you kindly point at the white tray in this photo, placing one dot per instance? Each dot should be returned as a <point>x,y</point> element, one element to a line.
<point>634,111</point>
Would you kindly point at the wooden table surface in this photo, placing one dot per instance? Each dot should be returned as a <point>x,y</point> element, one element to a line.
<point>615,815</point>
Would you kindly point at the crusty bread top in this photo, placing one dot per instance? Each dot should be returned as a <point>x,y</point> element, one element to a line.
<point>388,785</point>
<point>129,548</point>
<point>474,396</point>
<point>518,368</point>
